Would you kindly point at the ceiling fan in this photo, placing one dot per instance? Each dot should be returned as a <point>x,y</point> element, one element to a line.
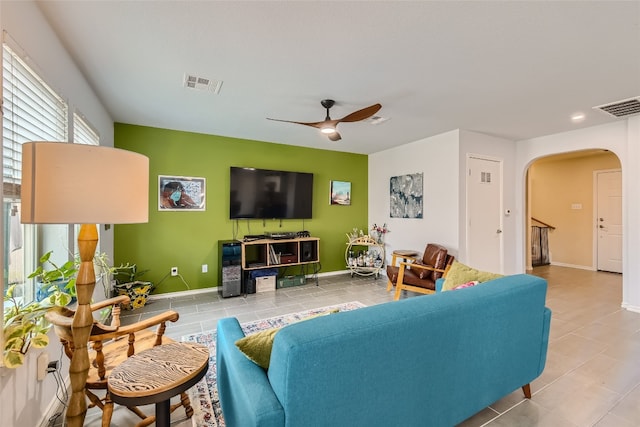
<point>328,126</point>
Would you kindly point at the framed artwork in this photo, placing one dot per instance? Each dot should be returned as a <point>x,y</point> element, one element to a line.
<point>340,193</point>
<point>181,193</point>
<point>406,196</point>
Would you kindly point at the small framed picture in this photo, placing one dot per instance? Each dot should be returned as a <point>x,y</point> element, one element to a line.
<point>181,193</point>
<point>340,193</point>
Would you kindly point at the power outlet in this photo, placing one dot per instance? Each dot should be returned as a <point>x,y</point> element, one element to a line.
<point>43,364</point>
<point>174,271</point>
<point>205,268</point>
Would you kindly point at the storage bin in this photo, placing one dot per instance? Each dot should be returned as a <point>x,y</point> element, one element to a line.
<point>265,283</point>
<point>290,281</point>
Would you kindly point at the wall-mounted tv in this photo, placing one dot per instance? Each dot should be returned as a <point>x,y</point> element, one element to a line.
<point>270,194</point>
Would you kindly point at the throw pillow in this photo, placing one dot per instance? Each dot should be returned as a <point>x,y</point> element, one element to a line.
<point>257,347</point>
<point>459,274</point>
<point>466,285</point>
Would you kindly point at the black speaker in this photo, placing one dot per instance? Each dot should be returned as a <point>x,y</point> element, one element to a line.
<point>308,251</point>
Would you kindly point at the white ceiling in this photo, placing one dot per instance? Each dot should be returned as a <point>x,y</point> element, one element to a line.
<point>513,69</point>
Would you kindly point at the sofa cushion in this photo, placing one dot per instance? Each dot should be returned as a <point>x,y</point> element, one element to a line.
<point>257,347</point>
<point>459,274</point>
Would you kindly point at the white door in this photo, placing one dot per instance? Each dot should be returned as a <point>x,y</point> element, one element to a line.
<point>609,220</point>
<point>484,214</point>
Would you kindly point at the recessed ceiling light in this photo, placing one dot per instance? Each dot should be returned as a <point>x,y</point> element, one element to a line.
<point>577,117</point>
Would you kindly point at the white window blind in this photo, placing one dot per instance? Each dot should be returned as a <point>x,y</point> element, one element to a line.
<point>32,112</point>
<point>83,133</point>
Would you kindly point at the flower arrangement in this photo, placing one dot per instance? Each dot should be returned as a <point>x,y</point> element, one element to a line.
<point>378,231</point>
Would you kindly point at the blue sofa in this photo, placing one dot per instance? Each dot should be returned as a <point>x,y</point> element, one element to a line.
<point>432,360</point>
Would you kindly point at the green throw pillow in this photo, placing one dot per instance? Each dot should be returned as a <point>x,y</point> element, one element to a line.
<point>460,273</point>
<point>257,347</point>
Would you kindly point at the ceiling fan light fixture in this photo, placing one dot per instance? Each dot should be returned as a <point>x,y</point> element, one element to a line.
<point>328,129</point>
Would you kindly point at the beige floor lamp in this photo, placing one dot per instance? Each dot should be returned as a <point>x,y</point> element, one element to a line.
<point>65,183</point>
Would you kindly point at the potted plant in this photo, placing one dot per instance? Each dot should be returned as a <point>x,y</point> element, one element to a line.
<point>55,282</point>
<point>25,325</point>
<point>127,283</point>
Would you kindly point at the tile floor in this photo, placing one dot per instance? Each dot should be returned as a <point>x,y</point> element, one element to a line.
<point>592,375</point>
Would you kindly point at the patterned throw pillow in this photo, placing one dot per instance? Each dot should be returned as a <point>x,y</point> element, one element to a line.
<point>138,292</point>
<point>466,285</point>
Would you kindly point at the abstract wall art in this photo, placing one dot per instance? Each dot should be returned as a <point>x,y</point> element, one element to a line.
<point>405,192</point>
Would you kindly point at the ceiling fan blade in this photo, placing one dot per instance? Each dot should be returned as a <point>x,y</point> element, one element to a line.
<point>334,136</point>
<point>312,124</point>
<point>365,113</point>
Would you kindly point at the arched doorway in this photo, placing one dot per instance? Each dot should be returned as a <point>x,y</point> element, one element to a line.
<point>562,195</point>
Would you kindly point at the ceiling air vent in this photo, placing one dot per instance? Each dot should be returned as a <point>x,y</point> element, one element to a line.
<point>376,120</point>
<point>624,108</point>
<point>202,83</point>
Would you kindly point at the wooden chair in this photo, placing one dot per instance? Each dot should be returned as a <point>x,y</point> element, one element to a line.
<point>419,274</point>
<point>110,345</point>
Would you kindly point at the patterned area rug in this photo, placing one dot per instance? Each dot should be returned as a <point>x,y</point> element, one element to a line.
<point>204,395</point>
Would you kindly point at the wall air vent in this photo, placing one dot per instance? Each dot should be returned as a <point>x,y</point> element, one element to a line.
<point>624,108</point>
<point>202,83</point>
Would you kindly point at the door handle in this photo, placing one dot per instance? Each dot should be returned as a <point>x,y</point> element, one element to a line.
<point>498,231</point>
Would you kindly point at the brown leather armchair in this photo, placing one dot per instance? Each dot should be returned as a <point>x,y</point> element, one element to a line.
<point>419,274</point>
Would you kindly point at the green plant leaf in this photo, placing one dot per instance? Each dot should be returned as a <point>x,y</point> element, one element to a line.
<point>40,341</point>
<point>13,359</point>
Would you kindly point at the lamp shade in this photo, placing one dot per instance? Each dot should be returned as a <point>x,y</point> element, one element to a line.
<point>64,183</point>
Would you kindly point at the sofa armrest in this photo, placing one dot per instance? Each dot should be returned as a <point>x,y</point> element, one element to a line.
<point>246,396</point>
<point>420,266</point>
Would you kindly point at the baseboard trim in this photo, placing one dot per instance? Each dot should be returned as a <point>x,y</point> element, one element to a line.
<point>215,288</point>
<point>630,307</point>
<point>581,267</point>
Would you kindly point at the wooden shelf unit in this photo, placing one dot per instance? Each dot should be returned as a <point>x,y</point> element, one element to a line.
<point>257,254</point>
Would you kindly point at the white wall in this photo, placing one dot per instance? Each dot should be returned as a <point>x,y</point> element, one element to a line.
<point>442,159</point>
<point>24,400</point>
<point>622,138</point>
<point>437,158</point>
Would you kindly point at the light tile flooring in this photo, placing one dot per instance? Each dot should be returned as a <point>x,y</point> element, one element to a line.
<point>592,375</point>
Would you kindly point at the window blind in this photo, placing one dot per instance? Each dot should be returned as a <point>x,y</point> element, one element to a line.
<point>32,112</point>
<point>83,133</point>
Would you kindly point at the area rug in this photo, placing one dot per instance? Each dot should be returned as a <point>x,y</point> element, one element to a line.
<point>204,395</point>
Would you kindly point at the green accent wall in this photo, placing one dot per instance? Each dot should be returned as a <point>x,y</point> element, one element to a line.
<point>189,239</point>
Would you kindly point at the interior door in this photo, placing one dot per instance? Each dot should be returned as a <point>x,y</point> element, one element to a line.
<point>484,214</point>
<point>609,220</point>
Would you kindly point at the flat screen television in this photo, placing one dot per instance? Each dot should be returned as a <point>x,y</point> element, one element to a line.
<point>270,194</point>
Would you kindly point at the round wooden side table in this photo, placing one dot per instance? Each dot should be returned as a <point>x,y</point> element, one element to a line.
<point>157,374</point>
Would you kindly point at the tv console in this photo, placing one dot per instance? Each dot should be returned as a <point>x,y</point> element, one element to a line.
<point>274,253</point>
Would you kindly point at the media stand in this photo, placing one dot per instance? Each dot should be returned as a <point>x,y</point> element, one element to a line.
<point>273,253</point>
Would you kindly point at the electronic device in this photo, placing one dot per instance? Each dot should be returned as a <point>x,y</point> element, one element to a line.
<point>303,233</point>
<point>308,251</point>
<point>281,235</point>
<point>269,194</point>
<point>252,237</point>
<point>230,273</point>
